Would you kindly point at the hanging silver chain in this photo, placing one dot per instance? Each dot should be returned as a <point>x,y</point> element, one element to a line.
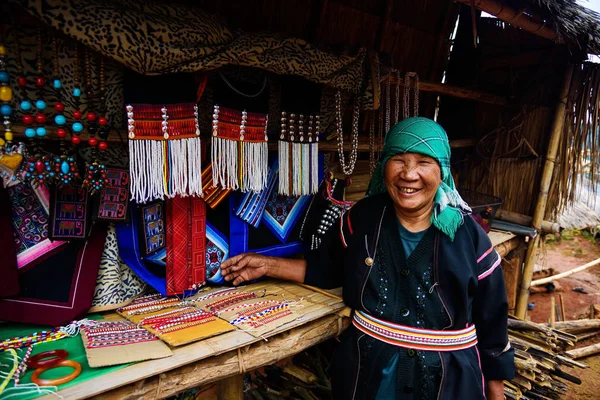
<point>262,89</point>
<point>346,168</point>
<point>397,99</point>
<point>387,105</point>
<point>411,79</point>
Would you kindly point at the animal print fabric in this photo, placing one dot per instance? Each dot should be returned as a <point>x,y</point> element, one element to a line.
<point>116,284</point>
<point>155,37</point>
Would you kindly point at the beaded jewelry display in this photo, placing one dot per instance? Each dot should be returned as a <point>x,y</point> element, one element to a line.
<point>39,167</point>
<point>95,177</point>
<point>32,339</point>
<point>10,154</point>
<point>151,306</point>
<point>65,166</point>
<point>349,167</point>
<point>167,324</point>
<point>156,318</point>
<point>76,126</point>
<point>298,155</point>
<point>164,151</point>
<point>265,316</point>
<point>228,301</point>
<point>240,154</point>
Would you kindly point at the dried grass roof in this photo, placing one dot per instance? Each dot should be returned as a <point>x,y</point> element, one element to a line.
<point>573,22</point>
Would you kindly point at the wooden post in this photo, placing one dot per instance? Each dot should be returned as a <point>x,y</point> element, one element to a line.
<point>540,209</point>
<point>231,388</point>
<point>562,307</point>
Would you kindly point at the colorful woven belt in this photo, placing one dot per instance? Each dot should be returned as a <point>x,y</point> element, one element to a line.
<point>414,338</point>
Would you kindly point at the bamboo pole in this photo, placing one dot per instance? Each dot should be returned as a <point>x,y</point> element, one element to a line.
<point>592,311</point>
<point>543,281</point>
<point>516,218</point>
<point>584,351</point>
<point>552,312</point>
<point>580,324</point>
<point>540,209</point>
<point>517,18</point>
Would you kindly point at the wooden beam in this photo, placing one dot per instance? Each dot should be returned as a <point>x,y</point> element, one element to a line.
<point>458,92</point>
<point>542,200</point>
<point>584,351</point>
<point>385,22</point>
<point>517,18</point>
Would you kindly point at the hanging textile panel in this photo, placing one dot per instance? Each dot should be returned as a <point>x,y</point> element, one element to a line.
<point>186,244</point>
<point>212,193</point>
<point>240,154</point>
<point>114,196</point>
<point>30,207</point>
<point>164,151</point>
<point>252,205</point>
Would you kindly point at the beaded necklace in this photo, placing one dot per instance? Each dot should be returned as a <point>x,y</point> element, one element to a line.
<point>184,319</point>
<point>248,307</point>
<point>149,309</point>
<point>32,339</point>
<point>186,325</point>
<point>22,365</point>
<point>218,293</point>
<point>230,300</point>
<point>95,177</point>
<point>346,168</point>
<point>260,315</point>
<point>106,334</point>
<point>65,167</point>
<point>141,304</point>
<point>151,319</point>
<point>12,372</point>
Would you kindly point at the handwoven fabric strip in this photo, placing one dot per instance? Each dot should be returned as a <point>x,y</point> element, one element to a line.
<point>114,197</point>
<point>211,194</point>
<point>69,213</point>
<point>29,207</point>
<point>252,205</point>
<point>198,240</point>
<point>415,338</point>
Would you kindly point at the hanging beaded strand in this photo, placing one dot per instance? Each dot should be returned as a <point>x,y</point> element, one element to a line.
<point>103,119</point>
<point>76,127</point>
<point>348,168</point>
<point>64,165</point>
<point>95,177</point>
<point>411,81</point>
<point>6,96</point>
<point>39,167</point>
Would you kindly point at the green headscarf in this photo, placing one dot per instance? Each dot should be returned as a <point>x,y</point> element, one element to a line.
<point>425,136</point>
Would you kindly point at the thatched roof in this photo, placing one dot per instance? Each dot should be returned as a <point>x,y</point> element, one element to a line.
<point>573,22</point>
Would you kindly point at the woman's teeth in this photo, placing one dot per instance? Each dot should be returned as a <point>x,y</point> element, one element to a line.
<point>408,190</point>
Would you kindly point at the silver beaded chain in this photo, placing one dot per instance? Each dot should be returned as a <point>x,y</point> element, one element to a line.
<point>411,79</point>
<point>397,99</point>
<point>346,168</point>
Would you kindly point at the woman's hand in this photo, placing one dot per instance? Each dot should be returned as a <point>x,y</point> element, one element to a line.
<point>245,267</point>
<point>249,266</point>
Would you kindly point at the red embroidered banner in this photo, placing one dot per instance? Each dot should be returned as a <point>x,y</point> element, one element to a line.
<point>186,244</point>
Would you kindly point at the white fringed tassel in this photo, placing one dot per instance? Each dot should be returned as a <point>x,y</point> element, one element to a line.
<point>296,165</point>
<point>284,167</point>
<point>255,166</point>
<point>194,150</point>
<point>225,163</point>
<point>305,168</point>
<point>314,167</point>
<point>146,166</point>
<point>177,168</point>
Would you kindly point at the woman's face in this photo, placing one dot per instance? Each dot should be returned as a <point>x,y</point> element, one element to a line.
<point>412,180</point>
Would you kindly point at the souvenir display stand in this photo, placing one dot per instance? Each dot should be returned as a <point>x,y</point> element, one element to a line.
<point>143,144</point>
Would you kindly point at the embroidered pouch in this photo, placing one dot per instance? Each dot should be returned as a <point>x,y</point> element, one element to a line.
<point>113,199</point>
<point>69,213</point>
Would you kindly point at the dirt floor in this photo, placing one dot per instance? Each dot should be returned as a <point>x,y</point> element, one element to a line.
<point>573,250</point>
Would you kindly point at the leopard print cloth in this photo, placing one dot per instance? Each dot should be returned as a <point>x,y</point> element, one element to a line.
<point>116,284</point>
<point>155,37</point>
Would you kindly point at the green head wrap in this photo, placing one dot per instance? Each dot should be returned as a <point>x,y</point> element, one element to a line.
<point>425,136</point>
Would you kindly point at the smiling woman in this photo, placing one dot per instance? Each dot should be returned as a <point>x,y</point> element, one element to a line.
<point>430,318</point>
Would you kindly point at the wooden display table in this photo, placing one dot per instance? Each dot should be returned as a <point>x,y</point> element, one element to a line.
<point>225,357</point>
